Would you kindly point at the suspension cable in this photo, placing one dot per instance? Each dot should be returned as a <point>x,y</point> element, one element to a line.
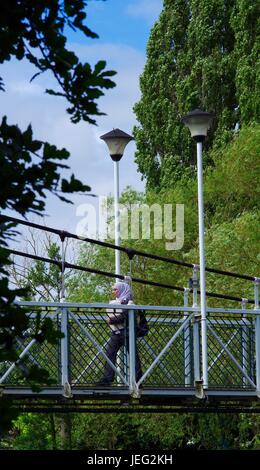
<point>114,275</point>
<point>129,251</point>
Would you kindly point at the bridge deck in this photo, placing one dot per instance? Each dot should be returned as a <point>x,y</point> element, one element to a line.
<point>110,400</point>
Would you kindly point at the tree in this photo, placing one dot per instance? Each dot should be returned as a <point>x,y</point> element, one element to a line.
<point>30,168</point>
<point>200,54</point>
<point>157,111</point>
<point>246,26</point>
<point>41,278</point>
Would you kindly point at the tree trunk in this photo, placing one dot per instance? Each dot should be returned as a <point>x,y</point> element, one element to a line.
<point>53,432</point>
<point>65,431</point>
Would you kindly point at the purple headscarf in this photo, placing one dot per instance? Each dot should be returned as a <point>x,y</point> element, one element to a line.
<point>124,292</point>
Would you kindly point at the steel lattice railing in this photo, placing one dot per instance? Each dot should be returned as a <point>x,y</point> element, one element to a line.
<point>170,354</point>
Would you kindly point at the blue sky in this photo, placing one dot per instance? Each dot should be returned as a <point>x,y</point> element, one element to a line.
<point>124,22</point>
<point>123,27</point>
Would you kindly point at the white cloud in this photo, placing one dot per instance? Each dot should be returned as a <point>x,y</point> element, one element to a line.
<point>146,9</point>
<point>25,88</point>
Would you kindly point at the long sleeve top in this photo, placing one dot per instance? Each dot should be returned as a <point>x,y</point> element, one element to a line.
<point>117,317</point>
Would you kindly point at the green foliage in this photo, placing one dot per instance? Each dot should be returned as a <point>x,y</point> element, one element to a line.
<point>232,187</point>
<point>249,430</point>
<point>232,213</point>
<point>7,414</point>
<point>245,23</point>
<point>139,432</point>
<point>201,53</point>
<point>32,433</point>
<point>35,376</point>
<point>44,279</point>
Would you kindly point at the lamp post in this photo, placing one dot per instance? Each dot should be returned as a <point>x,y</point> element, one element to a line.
<point>116,141</point>
<point>199,123</point>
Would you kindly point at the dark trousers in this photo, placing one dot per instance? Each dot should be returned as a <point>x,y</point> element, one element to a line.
<point>114,344</point>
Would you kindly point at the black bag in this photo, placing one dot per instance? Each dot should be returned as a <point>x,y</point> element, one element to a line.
<point>142,324</point>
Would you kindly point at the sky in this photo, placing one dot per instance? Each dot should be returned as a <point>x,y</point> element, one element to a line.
<point>123,27</point>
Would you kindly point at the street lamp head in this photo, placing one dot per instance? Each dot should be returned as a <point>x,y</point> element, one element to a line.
<point>116,141</point>
<point>198,122</point>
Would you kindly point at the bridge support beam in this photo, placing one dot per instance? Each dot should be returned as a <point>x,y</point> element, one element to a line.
<point>132,355</point>
<point>245,353</point>
<point>65,354</point>
<point>187,343</point>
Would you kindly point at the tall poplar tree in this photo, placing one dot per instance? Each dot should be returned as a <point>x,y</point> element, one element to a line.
<point>198,55</point>
<point>245,22</point>
<point>157,111</point>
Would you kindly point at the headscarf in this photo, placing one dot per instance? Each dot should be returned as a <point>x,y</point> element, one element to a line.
<point>124,292</point>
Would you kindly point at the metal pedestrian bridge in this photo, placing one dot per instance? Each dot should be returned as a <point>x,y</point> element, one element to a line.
<point>170,355</point>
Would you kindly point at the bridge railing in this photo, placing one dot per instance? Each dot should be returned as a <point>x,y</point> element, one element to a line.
<point>170,354</point>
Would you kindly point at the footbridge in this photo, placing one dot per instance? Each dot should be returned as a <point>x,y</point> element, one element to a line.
<point>171,354</point>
